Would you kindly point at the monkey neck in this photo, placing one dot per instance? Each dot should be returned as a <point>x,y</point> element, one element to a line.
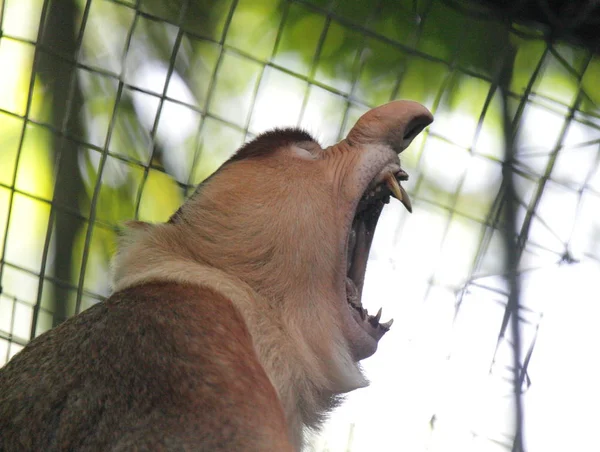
<point>273,257</point>
<point>290,335</point>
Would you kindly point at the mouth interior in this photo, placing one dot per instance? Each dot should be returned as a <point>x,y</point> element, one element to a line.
<point>359,242</point>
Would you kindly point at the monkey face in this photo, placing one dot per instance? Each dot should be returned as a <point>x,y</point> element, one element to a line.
<point>311,213</point>
<point>282,233</point>
<point>377,139</point>
<point>238,318</point>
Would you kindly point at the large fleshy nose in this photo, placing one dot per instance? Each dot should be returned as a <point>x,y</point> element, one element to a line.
<point>394,124</point>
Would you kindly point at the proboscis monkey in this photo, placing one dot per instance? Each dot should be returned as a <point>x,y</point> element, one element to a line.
<point>237,324</point>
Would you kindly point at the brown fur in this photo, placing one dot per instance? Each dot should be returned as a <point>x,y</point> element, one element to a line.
<point>229,328</point>
<point>162,366</point>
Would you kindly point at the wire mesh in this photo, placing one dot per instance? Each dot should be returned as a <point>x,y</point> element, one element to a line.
<point>95,108</point>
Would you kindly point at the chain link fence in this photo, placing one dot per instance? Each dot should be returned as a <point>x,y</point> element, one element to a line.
<point>116,109</point>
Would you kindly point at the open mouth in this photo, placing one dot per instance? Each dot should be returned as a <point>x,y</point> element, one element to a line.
<point>377,194</point>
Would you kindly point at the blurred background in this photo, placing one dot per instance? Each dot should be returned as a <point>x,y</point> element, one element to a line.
<point>115,109</point>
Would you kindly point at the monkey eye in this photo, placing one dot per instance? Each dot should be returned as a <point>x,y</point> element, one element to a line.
<point>307,150</point>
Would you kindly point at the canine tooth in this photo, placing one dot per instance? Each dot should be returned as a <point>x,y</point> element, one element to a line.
<point>378,315</point>
<point>394,186</point>
<point>398,191</point>
<point>387,325</point>
<point>405,199</point>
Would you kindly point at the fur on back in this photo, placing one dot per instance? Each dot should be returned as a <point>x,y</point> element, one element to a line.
<point>147,369</point>
<point>232,321</point>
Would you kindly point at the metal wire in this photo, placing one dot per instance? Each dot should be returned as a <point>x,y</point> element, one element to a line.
<point>502,216</point>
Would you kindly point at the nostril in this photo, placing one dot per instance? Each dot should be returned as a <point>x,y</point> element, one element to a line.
<point>395,124</point>
<point>415,128</point>
<point>413,131</point>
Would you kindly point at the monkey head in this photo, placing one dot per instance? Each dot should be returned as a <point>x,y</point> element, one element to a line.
<point>237,324</point>
<point>295,222</point>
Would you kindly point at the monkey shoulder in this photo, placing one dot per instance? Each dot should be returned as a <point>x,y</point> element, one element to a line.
<point>163,364</point>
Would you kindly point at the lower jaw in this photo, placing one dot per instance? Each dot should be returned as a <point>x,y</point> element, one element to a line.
<point>362,344</point>
<point>363,336</point>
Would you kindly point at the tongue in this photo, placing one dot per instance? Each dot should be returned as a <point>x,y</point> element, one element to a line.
<point>358,263</point>
<point>352,293</point>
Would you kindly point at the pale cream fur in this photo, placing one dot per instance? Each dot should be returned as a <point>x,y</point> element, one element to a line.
<point>289,304</point>
<point>270,234</point>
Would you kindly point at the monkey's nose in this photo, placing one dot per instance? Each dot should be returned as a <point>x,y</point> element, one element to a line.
<point>394,124</point>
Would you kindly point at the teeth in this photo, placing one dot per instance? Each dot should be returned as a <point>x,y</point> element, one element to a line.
<point>387,325</point>
<point>398,191</point>
<point>374,320</point>
<point>393,185</point>
<point>378,315</point>
<point>405,199</point>
<point>352,293</point>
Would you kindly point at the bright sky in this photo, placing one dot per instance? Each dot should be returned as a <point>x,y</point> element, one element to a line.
<point>433,365</point>
<point>429,364</point>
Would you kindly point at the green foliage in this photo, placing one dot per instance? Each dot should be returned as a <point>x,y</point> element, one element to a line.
<point>591,83</point>
<point>299,39</point>
<point>254,27</point>
<point>359,54</point>
<point>10,132</point>
<point>160,199</point>
<point>34,174</point>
